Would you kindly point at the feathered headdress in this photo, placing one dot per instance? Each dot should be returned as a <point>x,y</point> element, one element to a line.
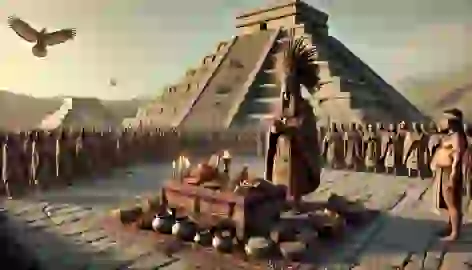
<point>299,60</point>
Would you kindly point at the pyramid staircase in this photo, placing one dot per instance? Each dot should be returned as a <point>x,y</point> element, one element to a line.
<point>230,82</point>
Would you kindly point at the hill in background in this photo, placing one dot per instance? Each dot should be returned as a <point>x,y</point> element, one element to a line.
<point>433,95</point>
<point>22,112</point>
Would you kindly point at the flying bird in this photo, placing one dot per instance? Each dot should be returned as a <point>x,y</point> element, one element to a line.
<point>43,39</point>
<point>113,82</point>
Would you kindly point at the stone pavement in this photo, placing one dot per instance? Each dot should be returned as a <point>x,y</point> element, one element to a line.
<point>62,226</point>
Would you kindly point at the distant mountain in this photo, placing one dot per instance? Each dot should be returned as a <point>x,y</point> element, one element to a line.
<point>23,112</point>
<point>432,95</point>
<point>20,112</point>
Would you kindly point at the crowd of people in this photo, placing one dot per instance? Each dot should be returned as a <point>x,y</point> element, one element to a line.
<point>442,150</point>
<point>397,149</point>
<point>43,159</point>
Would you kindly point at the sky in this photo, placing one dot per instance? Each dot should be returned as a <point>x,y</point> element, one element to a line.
<point>146,44</point>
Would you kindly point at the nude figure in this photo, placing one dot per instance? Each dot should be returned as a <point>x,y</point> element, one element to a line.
<point>447,166</point>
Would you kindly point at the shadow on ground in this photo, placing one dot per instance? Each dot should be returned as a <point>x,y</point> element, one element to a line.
<point>37,248</point>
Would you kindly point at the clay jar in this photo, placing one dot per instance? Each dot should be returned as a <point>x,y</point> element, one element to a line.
<point>222,241</point>
<point>203,238</point>
<point>163,223</point>
<point>184,229</point>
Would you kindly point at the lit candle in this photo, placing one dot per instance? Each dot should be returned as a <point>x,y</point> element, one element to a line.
<point>181,159</point>
<point>174,174</point>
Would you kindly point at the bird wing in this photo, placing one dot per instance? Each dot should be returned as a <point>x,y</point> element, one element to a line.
<point>59,37</point>
<point>22,29</point>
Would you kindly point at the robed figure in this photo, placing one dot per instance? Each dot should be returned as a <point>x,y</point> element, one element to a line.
<point>399,144</point>
<point>415,150</point>
<point>353,147</point>
<point>370,149</point>
<point>388,148</point>
<point>333,147</point>
<point>292,157</point>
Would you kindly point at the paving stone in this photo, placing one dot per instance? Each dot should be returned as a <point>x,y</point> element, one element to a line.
<point>133,251</point>
<point>91,236</point>
<point>433,260</point>
<point>414,263</point>
<point>380,201</point>
<point>40,224</point>
<point>33,216</point>
<point>67,209</point>
<point>411,235</point>
<point>458,256</point>
<point>103,245</point>
<point>153,261</point>
<point>74,228</point>
<point>374,262</point>
<point>70,217</point>
<point>385,255</point>
<point>19,208</point>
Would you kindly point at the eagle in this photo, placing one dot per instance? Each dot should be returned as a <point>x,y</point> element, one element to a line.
<point>41,38</point>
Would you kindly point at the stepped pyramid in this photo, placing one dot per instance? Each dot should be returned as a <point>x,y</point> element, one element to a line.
<point>235,86</point>
<point>78,113</point>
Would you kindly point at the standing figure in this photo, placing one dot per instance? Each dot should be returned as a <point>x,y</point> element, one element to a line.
<point>333,147</point>
<point>448,167</point>
<point>289,161</point>
<point>388,149</point>
<point>321,131</point>
<point>434,140</point>
<point>370,143</point>
<point>468,133</point>
<point>5,164</point>
<point>414,150</point>
<point>353,149</point>
<point>399,144</point>
<point>34,161</point>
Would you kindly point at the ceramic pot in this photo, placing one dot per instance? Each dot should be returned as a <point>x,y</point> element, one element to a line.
<point>184,229</point>
<point>163,223</point>
<point>222,242</point>
<point>203,238</point>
